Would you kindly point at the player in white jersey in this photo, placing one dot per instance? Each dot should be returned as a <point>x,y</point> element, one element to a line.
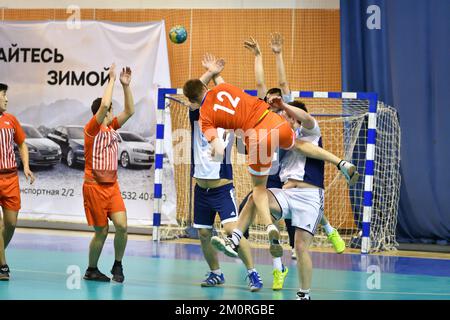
<point>276,43</point>
<point>308,149</point>
<point>215,193</point>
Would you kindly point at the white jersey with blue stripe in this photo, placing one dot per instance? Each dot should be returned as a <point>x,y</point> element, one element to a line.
<point>295,165</point>
<point>202,167</point>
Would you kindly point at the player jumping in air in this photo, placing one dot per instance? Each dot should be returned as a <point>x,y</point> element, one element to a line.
<point>214,192</point>
<point>226,106</point>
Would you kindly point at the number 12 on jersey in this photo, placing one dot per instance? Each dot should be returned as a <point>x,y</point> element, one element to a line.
<point>233,101</point>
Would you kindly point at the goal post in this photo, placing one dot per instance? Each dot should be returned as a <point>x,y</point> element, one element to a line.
<point>372,99</point>
<point>366,213</point>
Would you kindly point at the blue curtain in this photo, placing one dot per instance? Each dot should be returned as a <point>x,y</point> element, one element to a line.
<point>401,50</point>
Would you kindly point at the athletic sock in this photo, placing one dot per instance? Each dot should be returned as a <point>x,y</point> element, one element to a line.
<point>249,271</point>
<point>271,227</point>
<point>117,263</point>
<point>328,228</point>
<point>92,269</point>
<point>277,264</point>
<point>236,236</point>
<point>217,271</point>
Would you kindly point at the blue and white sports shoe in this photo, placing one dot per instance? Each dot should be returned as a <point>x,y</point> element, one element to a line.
<point>255,282</point>
<point>349,171</point>
<point>226,246</point>
<point>213,280</point>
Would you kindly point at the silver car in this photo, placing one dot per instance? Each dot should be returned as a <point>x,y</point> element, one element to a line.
<point>134,150</point>
<point>42,151</point>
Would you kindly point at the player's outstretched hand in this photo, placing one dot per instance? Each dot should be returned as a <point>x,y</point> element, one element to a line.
<point>253,46</point>
<point>208,60</point>
<point>29,175</point>
<point>125,76</point>
<point>218,66</point>
<point>276,42</point>
<point>213,64</point>
<point>112,72</point>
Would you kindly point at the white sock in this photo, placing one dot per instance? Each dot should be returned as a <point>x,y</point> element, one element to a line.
<point>236,236</point>
<point>218,271</point>
<point>271,227</point>
<point>277,264</point>
<point>251,270</point>
<point>328,228</point>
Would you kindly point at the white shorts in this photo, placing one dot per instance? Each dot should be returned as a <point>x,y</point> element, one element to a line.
<point>303,205</point>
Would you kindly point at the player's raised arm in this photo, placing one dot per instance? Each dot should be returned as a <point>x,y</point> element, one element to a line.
<point>125,79</point>
<point>253,46</point>
<point>209,62</point>
<point>276,44</point>
<point>298,114</point>
<point>213,68</point>
<point>107,96</point>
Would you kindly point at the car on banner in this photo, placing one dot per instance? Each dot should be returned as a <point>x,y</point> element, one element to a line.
<point>135,150</point>
<point>42,152</point>
<point>71,140</point>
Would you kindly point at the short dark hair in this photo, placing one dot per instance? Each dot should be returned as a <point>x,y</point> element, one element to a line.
<point>192,89</point>
<point>298,104</point>
<point>276,91</point>
<point>96,105</point>
<point>3,87</point>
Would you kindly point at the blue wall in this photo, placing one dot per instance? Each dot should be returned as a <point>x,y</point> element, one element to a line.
<point>407,62</point>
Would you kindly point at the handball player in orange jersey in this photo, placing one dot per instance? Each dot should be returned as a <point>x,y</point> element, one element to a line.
<point>101,193</point>
<point>229,107</point>
<point>10,132</point>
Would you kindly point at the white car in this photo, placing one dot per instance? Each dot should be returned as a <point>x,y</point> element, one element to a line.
<point>134,150</point>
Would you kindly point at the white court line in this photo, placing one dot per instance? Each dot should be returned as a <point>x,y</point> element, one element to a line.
<point>140,281</point>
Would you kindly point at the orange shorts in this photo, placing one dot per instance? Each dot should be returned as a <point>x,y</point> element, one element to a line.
<point>100,201</point>
<point>271,133</point>
<point>9,191</point>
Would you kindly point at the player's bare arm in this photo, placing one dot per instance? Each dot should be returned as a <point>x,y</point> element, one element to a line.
<point>23,150</point>
<point>305,118</point>
<point>214,67</point>
<point>125,80</point>
<point>208,62</point>
<point>253,46</point>
<point>107,96</point>
<point>276,44</point>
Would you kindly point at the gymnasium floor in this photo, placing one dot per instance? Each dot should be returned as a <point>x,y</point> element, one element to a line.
<point>172,270</point>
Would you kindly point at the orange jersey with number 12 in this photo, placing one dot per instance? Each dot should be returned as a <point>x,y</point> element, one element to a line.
<point>229,107</point>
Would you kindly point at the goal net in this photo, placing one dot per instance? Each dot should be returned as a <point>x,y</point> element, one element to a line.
<point>370,206</point>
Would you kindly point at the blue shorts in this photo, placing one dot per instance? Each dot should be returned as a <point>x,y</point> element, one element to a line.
<point>208,202</point>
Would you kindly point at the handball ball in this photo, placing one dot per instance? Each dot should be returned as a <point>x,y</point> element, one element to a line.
<point>178,34</point>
